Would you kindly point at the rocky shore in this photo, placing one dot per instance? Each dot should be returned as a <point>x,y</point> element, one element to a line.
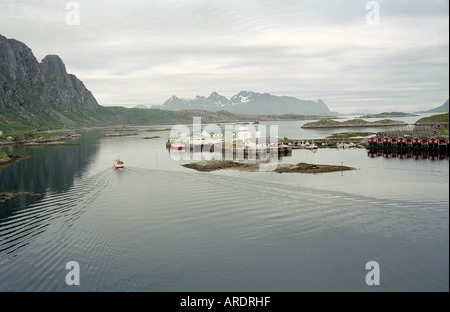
<point>208,166</point>
<point>7,196</point>
<point>156,130</point>
<point>152,137</point>
<point>59,140</point>
<point>119,134</point>
<point>9,159</point>
<point>310,168</point>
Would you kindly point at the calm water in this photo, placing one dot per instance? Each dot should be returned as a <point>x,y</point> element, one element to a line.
<point>157,226</point>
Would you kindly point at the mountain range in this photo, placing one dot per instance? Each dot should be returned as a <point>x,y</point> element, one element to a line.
<point>42,96</point>
<point>441,109</point>
<point>247,102</point>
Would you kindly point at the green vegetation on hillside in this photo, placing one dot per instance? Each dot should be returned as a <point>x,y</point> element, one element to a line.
<point>26,135</point>
<point>440,118</point>
<point>50,117</point>
<point>323,122</point>
<point>388,115</point>
<point>52,76</point>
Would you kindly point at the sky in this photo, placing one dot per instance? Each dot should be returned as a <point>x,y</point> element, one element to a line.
<point>356,56</point>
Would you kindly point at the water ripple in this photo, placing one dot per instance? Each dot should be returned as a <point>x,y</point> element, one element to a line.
<point>19,229</point>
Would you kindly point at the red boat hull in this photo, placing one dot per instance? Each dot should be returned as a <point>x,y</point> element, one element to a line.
<point>178,148</point>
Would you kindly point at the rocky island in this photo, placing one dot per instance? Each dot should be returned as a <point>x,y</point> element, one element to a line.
<point>213,165</point>
<point>152,137</point>
<point>388,115</point>
<point>9,159</point>
<point>329,123</point>
<point>119,134</point>
<point>31,138</point>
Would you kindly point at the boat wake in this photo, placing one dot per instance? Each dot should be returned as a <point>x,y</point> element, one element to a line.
<point>21,228</point>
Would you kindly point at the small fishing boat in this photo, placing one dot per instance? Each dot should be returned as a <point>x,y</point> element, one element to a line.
<point>118,164</point>
<point>178,146</point>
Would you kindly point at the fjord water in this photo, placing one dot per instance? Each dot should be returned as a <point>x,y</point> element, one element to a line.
<point>157,226</point>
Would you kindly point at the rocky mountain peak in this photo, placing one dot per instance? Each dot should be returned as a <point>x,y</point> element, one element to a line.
<point>248,102</point>
<point>28,83</point>
<point>217,100</point>
<point>17,62</point>
<point>53,64</point>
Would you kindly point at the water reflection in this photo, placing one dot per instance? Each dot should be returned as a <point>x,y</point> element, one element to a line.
<point>206,152</point>
<point>409,154</point>
<point>51,171</point>
<point>48,169</point>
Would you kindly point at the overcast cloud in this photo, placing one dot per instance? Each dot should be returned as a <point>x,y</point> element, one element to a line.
<point>143,52</point>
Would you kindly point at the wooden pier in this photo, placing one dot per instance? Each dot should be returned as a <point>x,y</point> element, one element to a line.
<point>377,143</point>
<point>245,151</point>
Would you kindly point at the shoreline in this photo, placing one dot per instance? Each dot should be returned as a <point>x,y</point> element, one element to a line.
<point>118,134</point>
<point>43,141</point>
<point>11,159</point>
<point>152,137</point>
<point>354,126</point>
<point>88,129</point>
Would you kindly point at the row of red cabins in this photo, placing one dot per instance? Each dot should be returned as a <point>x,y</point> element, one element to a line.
<point>389,141</point>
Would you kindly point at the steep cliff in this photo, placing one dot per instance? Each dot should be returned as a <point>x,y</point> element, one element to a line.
<point>40,94</point>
